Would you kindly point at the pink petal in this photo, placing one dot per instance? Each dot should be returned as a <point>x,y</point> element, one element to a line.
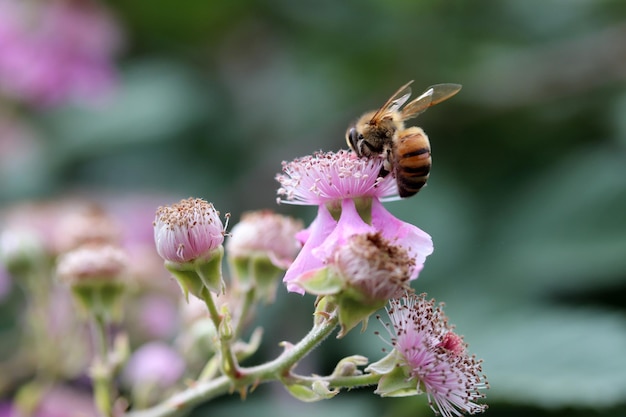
<point>318,231</point>
<point>418,243</point>
<point>350,223</point>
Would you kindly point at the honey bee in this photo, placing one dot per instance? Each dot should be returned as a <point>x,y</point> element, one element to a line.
<point>406,151</point>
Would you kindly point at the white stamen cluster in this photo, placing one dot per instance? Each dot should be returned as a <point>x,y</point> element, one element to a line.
<point>323,177</point>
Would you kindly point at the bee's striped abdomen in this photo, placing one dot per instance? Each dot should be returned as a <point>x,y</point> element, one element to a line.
<point>411,161</point>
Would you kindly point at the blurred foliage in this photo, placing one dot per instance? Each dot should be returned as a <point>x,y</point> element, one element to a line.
<point>527,198</point>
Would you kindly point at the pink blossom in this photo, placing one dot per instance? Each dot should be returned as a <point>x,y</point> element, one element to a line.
<point>436,357</point>
<point>188,230</point>
<point>348,191</point>
<point>53,51</point>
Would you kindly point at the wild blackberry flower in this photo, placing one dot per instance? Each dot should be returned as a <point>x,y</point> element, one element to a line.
<point>428,356</point>
<point>348,193</point>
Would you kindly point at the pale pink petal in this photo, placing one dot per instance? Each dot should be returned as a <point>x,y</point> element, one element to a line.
<point>320,229</point>
<point>350,223</point>
<point>417,243</point>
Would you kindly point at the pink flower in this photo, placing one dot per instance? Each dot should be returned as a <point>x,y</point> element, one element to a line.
<point>188,230</point>
<point>435,357</point>
<point>348,191</point>
<point>56,50</point>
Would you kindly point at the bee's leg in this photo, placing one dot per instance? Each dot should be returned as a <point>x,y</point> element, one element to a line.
<point>386,168</point>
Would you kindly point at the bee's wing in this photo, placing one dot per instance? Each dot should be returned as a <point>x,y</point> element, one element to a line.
<point>433,95</point>
<point>394,102</point>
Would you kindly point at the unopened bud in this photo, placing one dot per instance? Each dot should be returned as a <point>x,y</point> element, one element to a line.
<point>189,237</point>
<point>97,276</point>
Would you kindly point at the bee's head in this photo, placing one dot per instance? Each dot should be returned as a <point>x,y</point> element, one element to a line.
<point>353,139</point>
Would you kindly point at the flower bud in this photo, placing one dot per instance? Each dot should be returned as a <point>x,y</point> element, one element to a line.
<point>188,230</point>
<point>262,245</point>
<point>21,251</point>
<point>96,275</point>
<point>189,237</point>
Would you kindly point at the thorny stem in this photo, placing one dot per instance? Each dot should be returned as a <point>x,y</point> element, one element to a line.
<point>276,369</point>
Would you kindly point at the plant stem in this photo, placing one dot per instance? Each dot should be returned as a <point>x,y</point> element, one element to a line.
<point>182,402</point>
<point>230,366</point>
<point>101,373</point>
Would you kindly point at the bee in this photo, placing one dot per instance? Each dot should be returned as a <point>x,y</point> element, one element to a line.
<point>406,151</point>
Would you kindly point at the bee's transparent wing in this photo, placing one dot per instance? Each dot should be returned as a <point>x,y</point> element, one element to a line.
<point>394,102</point>
<point>433,95</point>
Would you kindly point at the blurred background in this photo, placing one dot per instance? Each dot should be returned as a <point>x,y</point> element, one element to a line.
<point>138,104</point>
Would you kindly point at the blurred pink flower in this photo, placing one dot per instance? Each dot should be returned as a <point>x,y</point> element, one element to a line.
<point>154,363</point>
<point>55,51</point>
<point>157,316</point>
<point>348,192</point>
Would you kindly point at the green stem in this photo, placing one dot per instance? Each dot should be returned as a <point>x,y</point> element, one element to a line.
<point>101,373</point>
<point>213,313</point>
<point>100,336</point>
<point>230,366</point>
<point>182,402</point>
<point>247,302</point>
<point>352,381</point>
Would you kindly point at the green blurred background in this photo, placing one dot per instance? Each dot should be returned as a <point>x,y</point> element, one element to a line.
<point>527,198</point>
